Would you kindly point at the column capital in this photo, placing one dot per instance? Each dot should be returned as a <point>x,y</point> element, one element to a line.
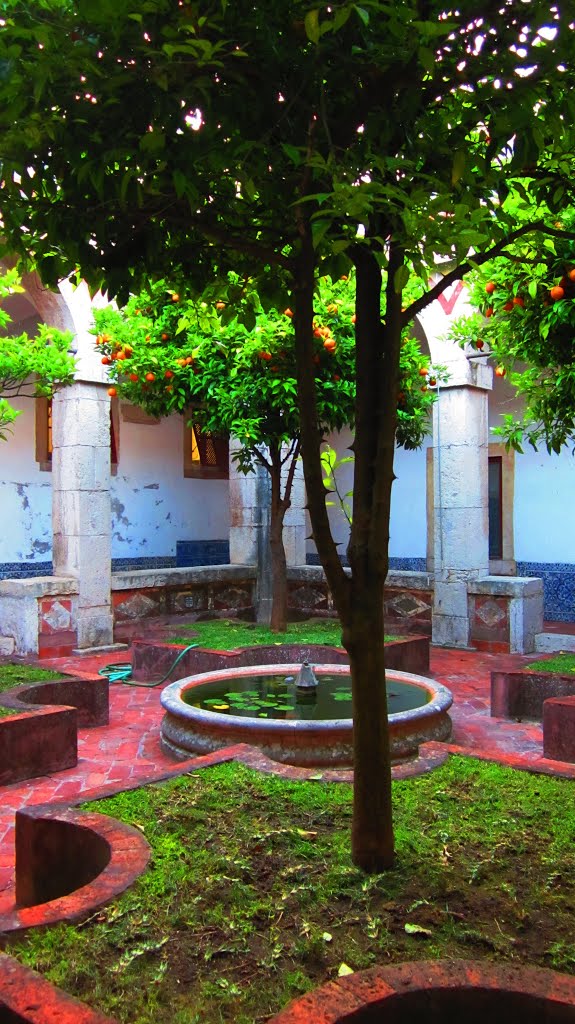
<point>471,373</point>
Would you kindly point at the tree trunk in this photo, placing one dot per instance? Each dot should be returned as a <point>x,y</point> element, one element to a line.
<point>279,505</point>
<point>359,602</point>
<point>278,622</point>
<point>372,827</point>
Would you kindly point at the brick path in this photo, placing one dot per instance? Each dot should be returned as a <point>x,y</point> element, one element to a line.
<point>128,750</point>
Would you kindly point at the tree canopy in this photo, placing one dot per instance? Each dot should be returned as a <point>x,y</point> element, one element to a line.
<point>286,141</point>
<point>171,353</point>
<point>29,366</point>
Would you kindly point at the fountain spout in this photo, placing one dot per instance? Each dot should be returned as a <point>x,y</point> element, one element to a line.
<point>306,680</point>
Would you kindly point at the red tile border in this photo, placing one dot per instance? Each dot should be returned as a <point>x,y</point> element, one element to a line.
<point>28,998</point>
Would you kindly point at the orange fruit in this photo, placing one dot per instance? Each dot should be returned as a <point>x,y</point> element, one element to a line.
<point>499,371</point>
<point>557,293</point>
<point>518,301</point>
<point>168,374</point>
<point>150,376</point>
<point>288,312</point>
<point>490,287</point>
<point>106,360</point>
<point>134,377</point>
<point>220,305</point>
<point>165,337</point>
<point>112,392</point>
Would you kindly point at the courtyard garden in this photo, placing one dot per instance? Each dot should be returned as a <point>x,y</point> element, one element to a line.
<point>250,898</point>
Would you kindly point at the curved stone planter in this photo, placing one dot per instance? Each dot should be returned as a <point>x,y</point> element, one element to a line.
<point>188,730</point>
<point>42,737</point>
<point>28,998</point>
<point>439,992</point>
<point>522,694</point>
<point>152,659</point>
<point>68,863</point>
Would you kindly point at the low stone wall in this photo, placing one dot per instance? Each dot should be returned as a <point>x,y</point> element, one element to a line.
<point>522,694</point>
<point>42,738</point>
<point>28,998</point>
<point>436,992</point>
<point>559,729</point>
<point>39,615</point>
<point>152,659</point>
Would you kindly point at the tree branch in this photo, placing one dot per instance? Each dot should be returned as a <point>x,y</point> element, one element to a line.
<point>460,271</point>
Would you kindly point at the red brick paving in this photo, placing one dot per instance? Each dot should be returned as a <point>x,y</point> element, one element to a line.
<point>128,750</point>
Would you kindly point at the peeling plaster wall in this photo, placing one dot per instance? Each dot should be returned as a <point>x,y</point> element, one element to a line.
<point>153,505</point>
<point>25,495</point>
<point>408,535</point>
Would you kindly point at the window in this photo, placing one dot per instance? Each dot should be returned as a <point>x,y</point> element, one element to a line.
<point>495,498</point>
<point>205,455</point>
<point>44,434</point>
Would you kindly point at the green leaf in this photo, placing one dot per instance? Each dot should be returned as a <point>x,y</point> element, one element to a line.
<point>401,277</point>
<point>532,289</point>
<point>458,166</point>
<point>363,15</point>
<point>426,59</point>
<point>311,22</point>
<point>417,929</point>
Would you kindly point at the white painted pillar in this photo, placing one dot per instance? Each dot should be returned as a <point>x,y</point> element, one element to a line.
<point>460,500</point>
<point>81,512</point>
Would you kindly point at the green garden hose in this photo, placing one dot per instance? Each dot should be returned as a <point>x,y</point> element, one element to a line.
<point>119,672</point>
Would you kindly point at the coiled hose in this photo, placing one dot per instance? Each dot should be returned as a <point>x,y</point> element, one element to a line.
<point>119,672</point>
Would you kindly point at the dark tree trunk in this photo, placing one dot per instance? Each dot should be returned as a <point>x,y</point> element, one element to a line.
<point>278,508</point>
<point>359,601</point>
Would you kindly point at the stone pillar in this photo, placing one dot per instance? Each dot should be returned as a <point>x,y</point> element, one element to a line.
<point>81,510</point>
<point>249,515</point>
<point>460,500</point>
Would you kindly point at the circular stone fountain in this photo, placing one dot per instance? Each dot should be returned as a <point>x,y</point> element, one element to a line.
<point>274,708</point>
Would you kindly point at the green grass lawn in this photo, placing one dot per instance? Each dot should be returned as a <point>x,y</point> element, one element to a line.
<point>12,675</point>
<point>225,634</point>
<point>251,897</point>
<point>563,663</point>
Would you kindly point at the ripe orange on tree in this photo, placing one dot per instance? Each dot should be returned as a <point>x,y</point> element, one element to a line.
<point>288,312</point>
<point>479,343</point>
<point>112,392</point>
<point>490,287</point>
<point>134,377</point>
<point>499,371</point>
<point>106,360</point>
<point>150,376</point>
<point>220,305</point>
<point>165,337</point>
<point>168,374</point>
<point>571,274</point>
<point>557,293</point>
<point>518,301</point>
<point>423,371</point>
<point>266,356</point>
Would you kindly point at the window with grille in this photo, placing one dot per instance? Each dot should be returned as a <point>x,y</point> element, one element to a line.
<point>205,455</point>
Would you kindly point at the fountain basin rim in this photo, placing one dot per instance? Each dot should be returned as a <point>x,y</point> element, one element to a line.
<point>172,702</point>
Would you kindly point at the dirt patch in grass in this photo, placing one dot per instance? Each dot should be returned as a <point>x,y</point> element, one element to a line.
<point>251,898</point>
<point>563,663</point>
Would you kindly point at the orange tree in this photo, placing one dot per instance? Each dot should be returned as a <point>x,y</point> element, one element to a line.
<point>171,354</point>
<point>525,318</point>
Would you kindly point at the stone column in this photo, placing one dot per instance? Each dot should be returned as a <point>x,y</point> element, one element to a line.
<point>81,510</point>
<point>460,501</point>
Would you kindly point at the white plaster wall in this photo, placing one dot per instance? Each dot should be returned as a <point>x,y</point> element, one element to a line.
<point>544,504</point>
<point>25,494</point>
<point>153,505</point>
<point>544,492</point>
<point>408,511</point>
